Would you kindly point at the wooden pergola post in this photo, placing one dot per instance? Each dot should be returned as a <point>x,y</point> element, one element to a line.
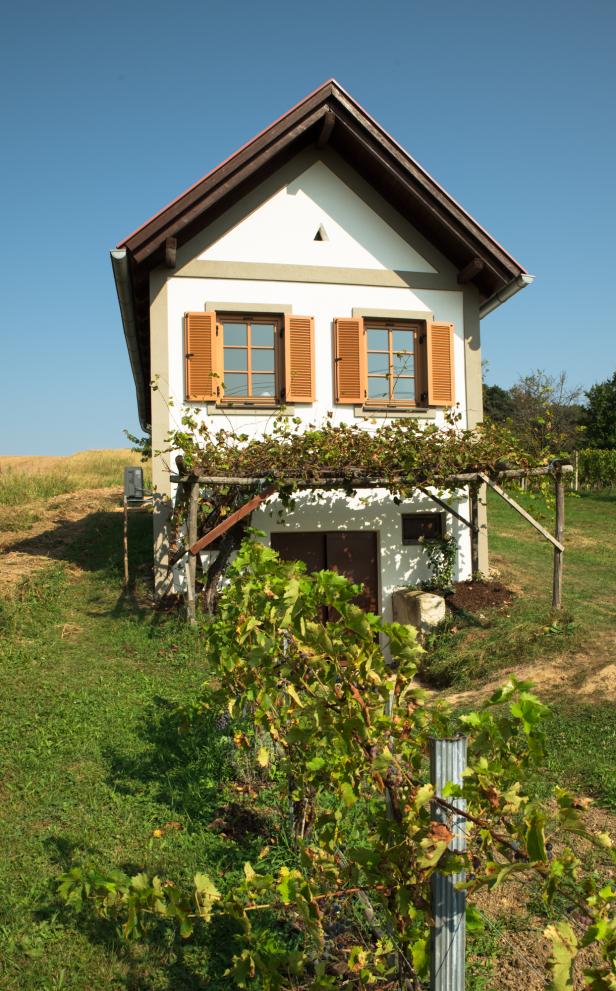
<point>473,492</point>
<point>557,582</point>
<point>191,568</point>
<point>125,542</point>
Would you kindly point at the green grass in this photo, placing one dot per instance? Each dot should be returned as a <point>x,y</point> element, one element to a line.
<point>581,751</point>
<point>92,763</point>
<point>469,649</point>
<point>17,487</point>
<point>26,480</point>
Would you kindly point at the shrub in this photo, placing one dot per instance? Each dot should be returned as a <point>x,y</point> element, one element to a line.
<point>347,729</point>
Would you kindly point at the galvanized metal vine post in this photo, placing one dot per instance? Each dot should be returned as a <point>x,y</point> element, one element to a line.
<point>447,764</point>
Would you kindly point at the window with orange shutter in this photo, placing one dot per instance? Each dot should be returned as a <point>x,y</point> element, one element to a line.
<point>395,365</point>
<point>392,363</point>
<point>251,357</point>
<point>265,359</point>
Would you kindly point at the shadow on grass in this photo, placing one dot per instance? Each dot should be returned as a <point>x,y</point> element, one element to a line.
<point>184,769</point>
<point>192,964</point>
<point>94,542</point>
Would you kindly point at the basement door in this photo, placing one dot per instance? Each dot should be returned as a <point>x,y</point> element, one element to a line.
<point>352,553</point>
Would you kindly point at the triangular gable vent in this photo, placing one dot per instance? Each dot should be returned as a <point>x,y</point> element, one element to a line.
<point>321,234</point>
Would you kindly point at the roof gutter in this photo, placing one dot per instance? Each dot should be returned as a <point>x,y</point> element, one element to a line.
<point>510,290</point>
<point>121,274</point>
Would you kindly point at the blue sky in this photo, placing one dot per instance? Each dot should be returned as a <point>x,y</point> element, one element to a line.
<point>112,109</point>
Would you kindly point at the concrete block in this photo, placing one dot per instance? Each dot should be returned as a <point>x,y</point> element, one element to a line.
<point>423,610</point>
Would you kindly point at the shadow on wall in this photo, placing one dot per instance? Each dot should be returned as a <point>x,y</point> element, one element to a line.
<point>370,509</point>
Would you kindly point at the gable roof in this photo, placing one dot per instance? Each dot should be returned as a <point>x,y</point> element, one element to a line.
<point>328,116</point>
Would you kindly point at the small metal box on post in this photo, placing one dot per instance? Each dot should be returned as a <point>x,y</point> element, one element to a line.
<point>447,963</point>
<point>133,485</point>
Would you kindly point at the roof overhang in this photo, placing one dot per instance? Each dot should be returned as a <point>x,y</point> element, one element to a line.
<point>329,116</point>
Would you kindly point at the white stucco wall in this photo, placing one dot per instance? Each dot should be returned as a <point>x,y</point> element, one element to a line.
<point>324,302</point>
<point>281,231</point>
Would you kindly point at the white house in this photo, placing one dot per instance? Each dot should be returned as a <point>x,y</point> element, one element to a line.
<point>322,268</point>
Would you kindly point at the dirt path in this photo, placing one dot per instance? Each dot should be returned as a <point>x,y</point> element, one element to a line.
<point>47,530</point>
<point>589,675</point>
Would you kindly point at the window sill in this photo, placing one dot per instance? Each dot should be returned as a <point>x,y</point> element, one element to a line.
<point>410,412</point>
<point>224,409</point>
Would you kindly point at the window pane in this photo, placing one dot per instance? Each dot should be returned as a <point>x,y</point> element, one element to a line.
<point>403,364</point>
<point>263,385</point>
<point>262,361</point>
<point>378,364</point>
<point>236,359</point>
<point>378,339</point>
<point>378,388</point>
<point>236,385</point>
<point>426,525</point>
<point>234,333</point>
<point>262,335</point>
<point>402,340</point>
<point>404,389</point>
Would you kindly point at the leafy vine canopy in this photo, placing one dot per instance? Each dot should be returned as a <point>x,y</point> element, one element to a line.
<point>400,453</point>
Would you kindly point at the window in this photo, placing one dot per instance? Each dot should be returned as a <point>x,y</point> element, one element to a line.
<point>418,526</point>
<point>392,362</point>
<point>251,364</point>
<point>395,359</point>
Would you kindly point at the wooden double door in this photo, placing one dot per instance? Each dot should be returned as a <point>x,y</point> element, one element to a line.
<point>352,553</point>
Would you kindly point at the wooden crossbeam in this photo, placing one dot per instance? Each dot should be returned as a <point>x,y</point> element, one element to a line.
<point>520,509</point>
<point>365,481</point>
<point>231,520</point>
<point>328,125</point>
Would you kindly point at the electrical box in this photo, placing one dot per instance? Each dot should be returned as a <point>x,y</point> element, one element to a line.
<point>133,484</point>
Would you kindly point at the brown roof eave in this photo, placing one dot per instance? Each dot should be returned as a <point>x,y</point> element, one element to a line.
<point>328,115</point>
<point>371,150</point>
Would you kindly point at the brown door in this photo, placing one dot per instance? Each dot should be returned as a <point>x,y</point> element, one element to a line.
<point>352,553</point>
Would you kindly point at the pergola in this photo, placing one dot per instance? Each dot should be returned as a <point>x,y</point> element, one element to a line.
<point>189,489</point>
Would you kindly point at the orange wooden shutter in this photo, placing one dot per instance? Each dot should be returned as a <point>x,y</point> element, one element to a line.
<point>299,371</point>
<point>350,360</point>
<point>441,387</point>
<point>201,356</point>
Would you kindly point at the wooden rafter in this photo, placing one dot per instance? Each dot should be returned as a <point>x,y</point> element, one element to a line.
<point>446,507</point>
<point>231,520</point>
<point>520,509</point>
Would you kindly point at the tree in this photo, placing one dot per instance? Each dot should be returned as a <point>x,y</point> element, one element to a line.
<point>547,415</point>
<point>600,414</point>
<point>497,403</point>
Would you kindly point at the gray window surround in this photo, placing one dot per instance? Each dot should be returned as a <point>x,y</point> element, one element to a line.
<point>249,308</point>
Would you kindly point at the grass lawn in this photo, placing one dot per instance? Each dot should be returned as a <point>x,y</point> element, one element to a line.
<point>473,648</point>
<point>90,767</point>
<point>33,479</point>
<point>91,764</point>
